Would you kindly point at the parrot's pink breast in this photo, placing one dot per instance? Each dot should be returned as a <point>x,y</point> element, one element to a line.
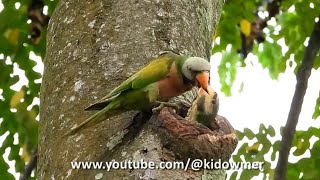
<point>172,85</point>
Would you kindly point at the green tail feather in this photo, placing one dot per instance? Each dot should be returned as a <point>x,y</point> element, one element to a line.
<point>95,119</point>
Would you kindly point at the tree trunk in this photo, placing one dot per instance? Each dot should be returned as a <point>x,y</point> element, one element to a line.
<point>92,47</point>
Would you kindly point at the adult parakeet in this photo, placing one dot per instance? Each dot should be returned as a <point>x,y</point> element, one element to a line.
<point>166,76</point>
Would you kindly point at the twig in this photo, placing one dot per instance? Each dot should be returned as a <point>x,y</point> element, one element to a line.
<point>296,104</point>
<point>30,166</point>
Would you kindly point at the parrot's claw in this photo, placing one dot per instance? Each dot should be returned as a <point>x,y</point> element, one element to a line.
<point>164,104</point>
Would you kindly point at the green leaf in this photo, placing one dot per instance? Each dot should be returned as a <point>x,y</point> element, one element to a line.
<point>4,174</point>
<point>293,173</point>
<point>5,72</point>
<point>316,113</point>
<point>234,175</point>
<point>270,57</point>
<point>240,135</point>
<point>262,128</point>
<point>227,71</point>
<point>248,133</point>
<point>314,131</point>
<point>271,131</point>
<point>14,153</point>
<point>315,149</point>
<point>275,148</point>
<point>302,145</point>
<point>8,141</point>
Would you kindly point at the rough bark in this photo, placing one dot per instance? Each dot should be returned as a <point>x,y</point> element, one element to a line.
<point>92,47</point>
<point>193,140</point>
<point>301,87</point>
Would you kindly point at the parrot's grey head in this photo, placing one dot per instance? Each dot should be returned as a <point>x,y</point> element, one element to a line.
<point>196,70</point>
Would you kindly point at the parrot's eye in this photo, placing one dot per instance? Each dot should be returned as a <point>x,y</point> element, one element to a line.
<point>197,72</point>
<point>189,68</point>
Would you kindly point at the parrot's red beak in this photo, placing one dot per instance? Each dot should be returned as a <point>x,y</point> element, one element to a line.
<point>203,80</point>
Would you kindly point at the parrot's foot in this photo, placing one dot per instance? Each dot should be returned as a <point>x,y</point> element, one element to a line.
<point>164,104</point>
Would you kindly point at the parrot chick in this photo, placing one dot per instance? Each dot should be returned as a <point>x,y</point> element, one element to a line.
<point>166,76</point>
<point>205,108</point>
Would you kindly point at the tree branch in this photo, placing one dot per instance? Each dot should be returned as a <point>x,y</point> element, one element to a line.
<point>296,104</point>
<point>30,166</point>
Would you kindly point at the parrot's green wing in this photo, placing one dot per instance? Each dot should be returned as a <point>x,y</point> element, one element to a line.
<point>153,72</point>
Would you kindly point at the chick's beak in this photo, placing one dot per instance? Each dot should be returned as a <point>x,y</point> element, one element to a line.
<point>209,91</point>
<point>203,80</point>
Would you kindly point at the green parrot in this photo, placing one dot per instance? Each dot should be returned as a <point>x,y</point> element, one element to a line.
<point>166,76</point>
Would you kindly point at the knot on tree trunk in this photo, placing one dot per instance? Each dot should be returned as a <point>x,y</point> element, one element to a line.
<point>187,139</point>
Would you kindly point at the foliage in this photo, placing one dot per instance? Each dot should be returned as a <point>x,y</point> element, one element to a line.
<point>291,26</point>
<point>316,113</point>
<point>265,145</point>
<point>18,112</point>
<point>277,33</point>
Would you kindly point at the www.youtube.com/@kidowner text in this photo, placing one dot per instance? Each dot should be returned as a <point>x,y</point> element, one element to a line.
<point>195,164</point>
